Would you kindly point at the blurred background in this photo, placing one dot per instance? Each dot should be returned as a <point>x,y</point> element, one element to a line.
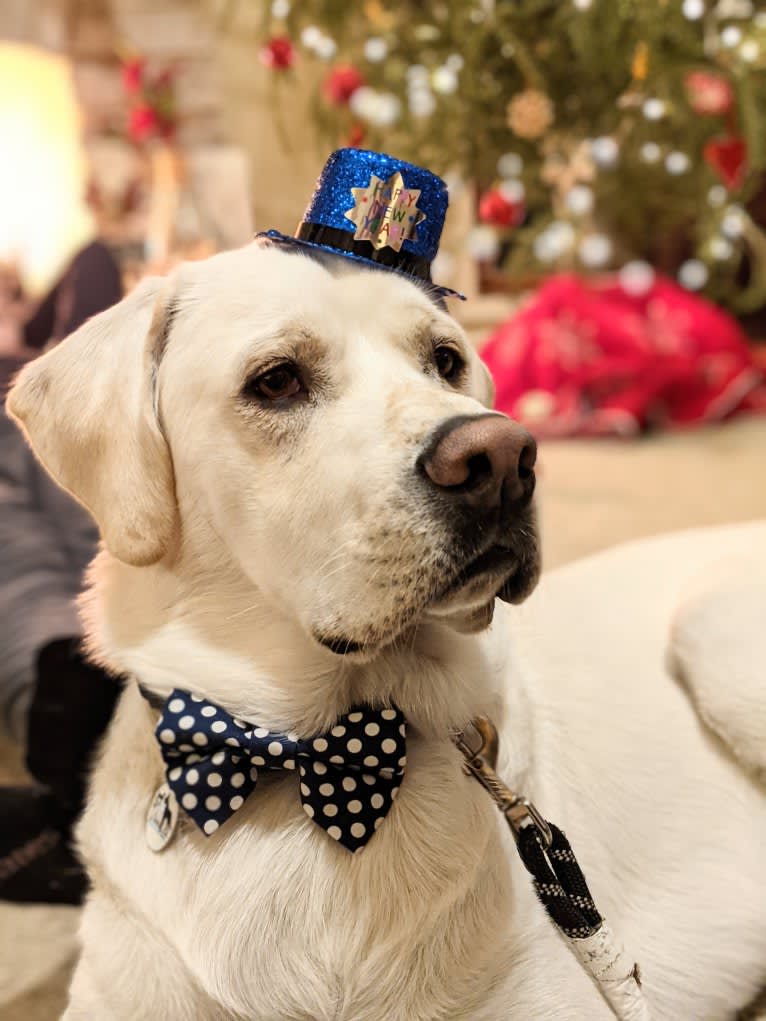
<point>606,161</point>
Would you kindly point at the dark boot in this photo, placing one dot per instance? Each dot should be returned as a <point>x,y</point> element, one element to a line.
<point>71,708</point>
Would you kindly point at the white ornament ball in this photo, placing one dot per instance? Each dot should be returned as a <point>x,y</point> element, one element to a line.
<point>455,62</point>
<point>693,9</point>
<point>512,190</point>
<point>483,243</point>
<point>732,224</point>
<point>595,250</point>
<point>444,81</point>
<point>654,109</point>
<point>510,164</point>
<point>693,274</point>
<point>388,109</point>
<point>677,163</point>
<point>551,243</point>
<point>605,151</point>
<point>422,102</point>
<point>579,200</point>
<point>280,8</point>
<point>636,278</point>
<point>721,249</point>
<point>650,152</point>
<point>717,196</point>
<point>731,36</point>
<point>380,108</point>
<point>310,36</point>
<point>376,49</point>
<point>326,48</point>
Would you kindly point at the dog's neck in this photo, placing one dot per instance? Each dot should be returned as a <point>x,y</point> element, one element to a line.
<point>218,636</point>
<point>444,842</point>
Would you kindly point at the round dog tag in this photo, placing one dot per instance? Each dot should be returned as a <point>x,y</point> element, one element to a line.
<point>161,819</point>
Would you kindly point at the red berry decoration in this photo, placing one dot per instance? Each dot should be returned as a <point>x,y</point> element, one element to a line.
<point>278,53</point>
<point>727,156</point>
<point>143,123</point>
<point>709,94</point>
<point>498,210</point>
<point>341,83</point>
<point>133,75</point>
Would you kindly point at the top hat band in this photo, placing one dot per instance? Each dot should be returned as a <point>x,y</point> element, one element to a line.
<point>344,241</point>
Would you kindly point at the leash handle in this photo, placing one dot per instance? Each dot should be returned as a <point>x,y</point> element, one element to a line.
<point>558,880</point>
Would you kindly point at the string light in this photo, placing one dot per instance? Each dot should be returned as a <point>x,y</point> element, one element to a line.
<point>554,241</point>
<point>677,163</point>
<point>654,109</point>
<point>375,49</point>
<point>510,164</point>
<point>650,152</point>
<point>636,278</point>
<point>579,200</point>
<point>731,36</point>
<point>693,10</point>
<point>595,250</point>
<point>693,274</point>
<point>721,249</point>
<point>605,151</point>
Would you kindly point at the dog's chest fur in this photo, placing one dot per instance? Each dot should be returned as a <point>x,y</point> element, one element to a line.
<point>274,920</point>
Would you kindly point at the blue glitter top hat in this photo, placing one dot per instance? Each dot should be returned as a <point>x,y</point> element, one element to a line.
<point>378,211</point>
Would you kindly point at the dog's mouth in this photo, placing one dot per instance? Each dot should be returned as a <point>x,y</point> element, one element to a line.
<point>495,563</point>
<point>465,596</point>
<point>339,645</point>
<point>508,570</point>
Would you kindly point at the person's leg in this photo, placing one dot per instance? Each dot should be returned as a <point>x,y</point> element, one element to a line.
<point>70,709</point>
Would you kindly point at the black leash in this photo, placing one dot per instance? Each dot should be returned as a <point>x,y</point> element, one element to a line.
<point>558,879</point>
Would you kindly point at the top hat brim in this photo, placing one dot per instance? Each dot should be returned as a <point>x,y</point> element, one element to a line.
<point>293,242</point>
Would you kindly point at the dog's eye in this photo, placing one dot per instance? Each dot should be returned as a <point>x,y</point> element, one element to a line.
<point>277,384</point>
<point>449,364</point>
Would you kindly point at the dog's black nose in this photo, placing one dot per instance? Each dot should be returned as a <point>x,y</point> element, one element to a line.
<point>481,460</point>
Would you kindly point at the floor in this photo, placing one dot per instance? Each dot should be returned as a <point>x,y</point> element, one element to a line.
<point>592,494</point>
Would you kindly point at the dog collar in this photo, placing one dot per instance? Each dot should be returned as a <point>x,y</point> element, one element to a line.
<point>348,778</point>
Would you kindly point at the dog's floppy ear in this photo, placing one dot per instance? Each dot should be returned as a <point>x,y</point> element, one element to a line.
<point>87,407</point>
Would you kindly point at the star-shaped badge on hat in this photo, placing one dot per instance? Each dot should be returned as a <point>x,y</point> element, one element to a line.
<point>385,212</point>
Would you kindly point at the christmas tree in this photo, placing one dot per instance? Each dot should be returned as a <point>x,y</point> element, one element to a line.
<point>600,134</point>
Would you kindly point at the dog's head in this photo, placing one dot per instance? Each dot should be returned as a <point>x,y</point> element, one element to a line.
<point>325,428</point>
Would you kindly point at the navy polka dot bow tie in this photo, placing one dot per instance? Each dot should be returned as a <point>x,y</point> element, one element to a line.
<point>349,777</point>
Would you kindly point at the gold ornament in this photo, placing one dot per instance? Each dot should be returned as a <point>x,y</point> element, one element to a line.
<point>386,213</point>
<point>530,113</point>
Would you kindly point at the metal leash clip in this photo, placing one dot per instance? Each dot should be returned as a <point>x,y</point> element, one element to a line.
<point>479,744</point>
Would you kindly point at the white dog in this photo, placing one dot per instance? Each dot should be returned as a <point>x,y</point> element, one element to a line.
<point>306,506</point>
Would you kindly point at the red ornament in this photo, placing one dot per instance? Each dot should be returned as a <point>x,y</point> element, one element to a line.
<point>709,93</point>
<point>341,83</point>
<point>143,123</point>
<point>497,209</point>
<point>133,75</point>
<point>278,53</point>
<point>727,156</point>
